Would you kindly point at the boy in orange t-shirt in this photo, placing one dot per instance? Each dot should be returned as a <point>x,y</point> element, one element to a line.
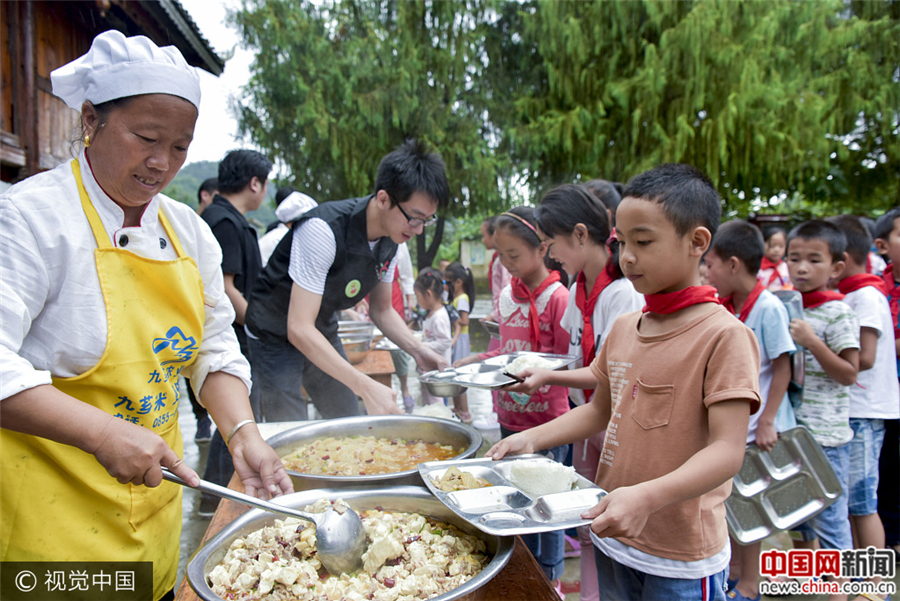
<point>676,386</point>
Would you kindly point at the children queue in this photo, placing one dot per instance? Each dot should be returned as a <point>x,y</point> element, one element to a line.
<point>677,371</point>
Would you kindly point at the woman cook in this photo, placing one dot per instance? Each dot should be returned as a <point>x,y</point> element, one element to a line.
<point>110,291</point>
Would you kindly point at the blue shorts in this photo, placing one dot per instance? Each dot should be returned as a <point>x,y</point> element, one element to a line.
<point>832,525</point>
<point>618,582</point>
<point>865,449</point>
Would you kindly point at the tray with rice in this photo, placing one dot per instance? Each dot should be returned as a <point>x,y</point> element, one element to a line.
<point>521,494</point>
<point>491,373</point>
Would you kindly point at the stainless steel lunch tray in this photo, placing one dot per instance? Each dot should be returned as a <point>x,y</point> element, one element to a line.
<point>779,489</point>
<point>492,327</point>
<point>488,374</point>
<point>411,499</point>
<point>502,509</point>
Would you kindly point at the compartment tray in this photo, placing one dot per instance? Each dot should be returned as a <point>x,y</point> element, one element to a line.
<point>779,489</point>
<point>488,374</point>
<point>503,509</point>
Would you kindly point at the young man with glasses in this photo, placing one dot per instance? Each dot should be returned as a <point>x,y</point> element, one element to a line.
<point>333,257</point>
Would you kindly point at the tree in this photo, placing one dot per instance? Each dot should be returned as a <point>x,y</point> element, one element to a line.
<point>338,85</point>
<point>764,96</point>
<point>772,99</point>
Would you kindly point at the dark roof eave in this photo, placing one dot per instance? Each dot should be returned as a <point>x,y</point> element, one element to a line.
<point>191,33</point>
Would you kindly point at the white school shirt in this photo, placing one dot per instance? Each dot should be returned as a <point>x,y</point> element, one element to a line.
<point>436,330</point>
<point>876,394</point>
<point>618,298</point>
<point>51,305</point>
<point>770,323</point>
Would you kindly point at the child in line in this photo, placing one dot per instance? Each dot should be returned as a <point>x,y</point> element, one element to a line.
<point>875,263</point>
<point>887,241</point>
<point>829,332</point>
<point>676,386</point>
<point>876,396</point>
<point>733,260</point>
<point>608,193</point>
<point>429,287</point>
<point>531,308</point>
<point>498,279</point>
<point>498,276</point>
<point>773,271</point>
<point>576,227</point>
<point>461,286</point>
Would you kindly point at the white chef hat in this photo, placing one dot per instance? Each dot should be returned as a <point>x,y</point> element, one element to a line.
<point>117,67</point>
<point>293,206</point>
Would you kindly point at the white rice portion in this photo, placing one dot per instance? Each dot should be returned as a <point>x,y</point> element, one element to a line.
<point>541,478</point>
<point>409,557</point>
<point>528,362</point>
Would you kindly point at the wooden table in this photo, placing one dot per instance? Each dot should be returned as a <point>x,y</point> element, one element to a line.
<point>378,365</point>
<point>521,579</point>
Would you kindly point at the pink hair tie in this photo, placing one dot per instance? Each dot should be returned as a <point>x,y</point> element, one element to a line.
<point>531,227</point>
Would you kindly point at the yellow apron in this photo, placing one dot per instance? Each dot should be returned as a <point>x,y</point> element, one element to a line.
<point>59,503</point>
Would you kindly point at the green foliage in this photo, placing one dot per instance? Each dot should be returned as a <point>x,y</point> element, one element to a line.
<point>764,96</point>
<point>186,183</point>
<point>773,99</point>
<point>337,85</point>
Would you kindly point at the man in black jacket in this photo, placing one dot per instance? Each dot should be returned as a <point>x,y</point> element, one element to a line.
<point>333,257</point>
<point>243,182</point>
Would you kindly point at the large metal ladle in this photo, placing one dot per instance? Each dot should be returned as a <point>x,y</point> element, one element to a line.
<point>340,537</point>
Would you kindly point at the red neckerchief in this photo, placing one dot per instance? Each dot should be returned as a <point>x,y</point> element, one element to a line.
<point>491,272</point>
<point>675,301</point>
<point>586,305</point>
<point>766,264</point>
<point>893,296</point>
<point>728,302</point>
<point>521,294</point>
<point>811,300</point>
<point>861,280</point>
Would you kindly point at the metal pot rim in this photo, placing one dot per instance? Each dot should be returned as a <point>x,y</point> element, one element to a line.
<point>214,549</point>
<point>346,426</point>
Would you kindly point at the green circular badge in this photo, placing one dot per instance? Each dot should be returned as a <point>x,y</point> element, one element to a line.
<point>352,288</point>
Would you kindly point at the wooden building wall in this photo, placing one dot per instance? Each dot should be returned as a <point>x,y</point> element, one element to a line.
<point>37,128</point>
<point>37,36</point>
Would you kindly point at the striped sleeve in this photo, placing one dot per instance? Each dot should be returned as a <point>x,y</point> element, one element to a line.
<point>312,255</point>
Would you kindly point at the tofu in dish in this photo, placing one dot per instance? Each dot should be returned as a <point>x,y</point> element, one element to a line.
<point>409,557</point>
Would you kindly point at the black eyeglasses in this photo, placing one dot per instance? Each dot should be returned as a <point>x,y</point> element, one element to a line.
<point>417,221</point>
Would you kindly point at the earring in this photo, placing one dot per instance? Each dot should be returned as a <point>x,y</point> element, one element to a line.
<point>87,140</point>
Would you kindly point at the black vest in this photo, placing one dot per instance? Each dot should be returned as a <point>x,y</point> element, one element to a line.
<point>356,270</point>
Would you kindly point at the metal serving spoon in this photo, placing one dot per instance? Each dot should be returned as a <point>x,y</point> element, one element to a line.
<point>340,537</point>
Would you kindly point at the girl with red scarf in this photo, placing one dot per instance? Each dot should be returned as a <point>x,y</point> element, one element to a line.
<point>773,272</point>
<point>531,308</point>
